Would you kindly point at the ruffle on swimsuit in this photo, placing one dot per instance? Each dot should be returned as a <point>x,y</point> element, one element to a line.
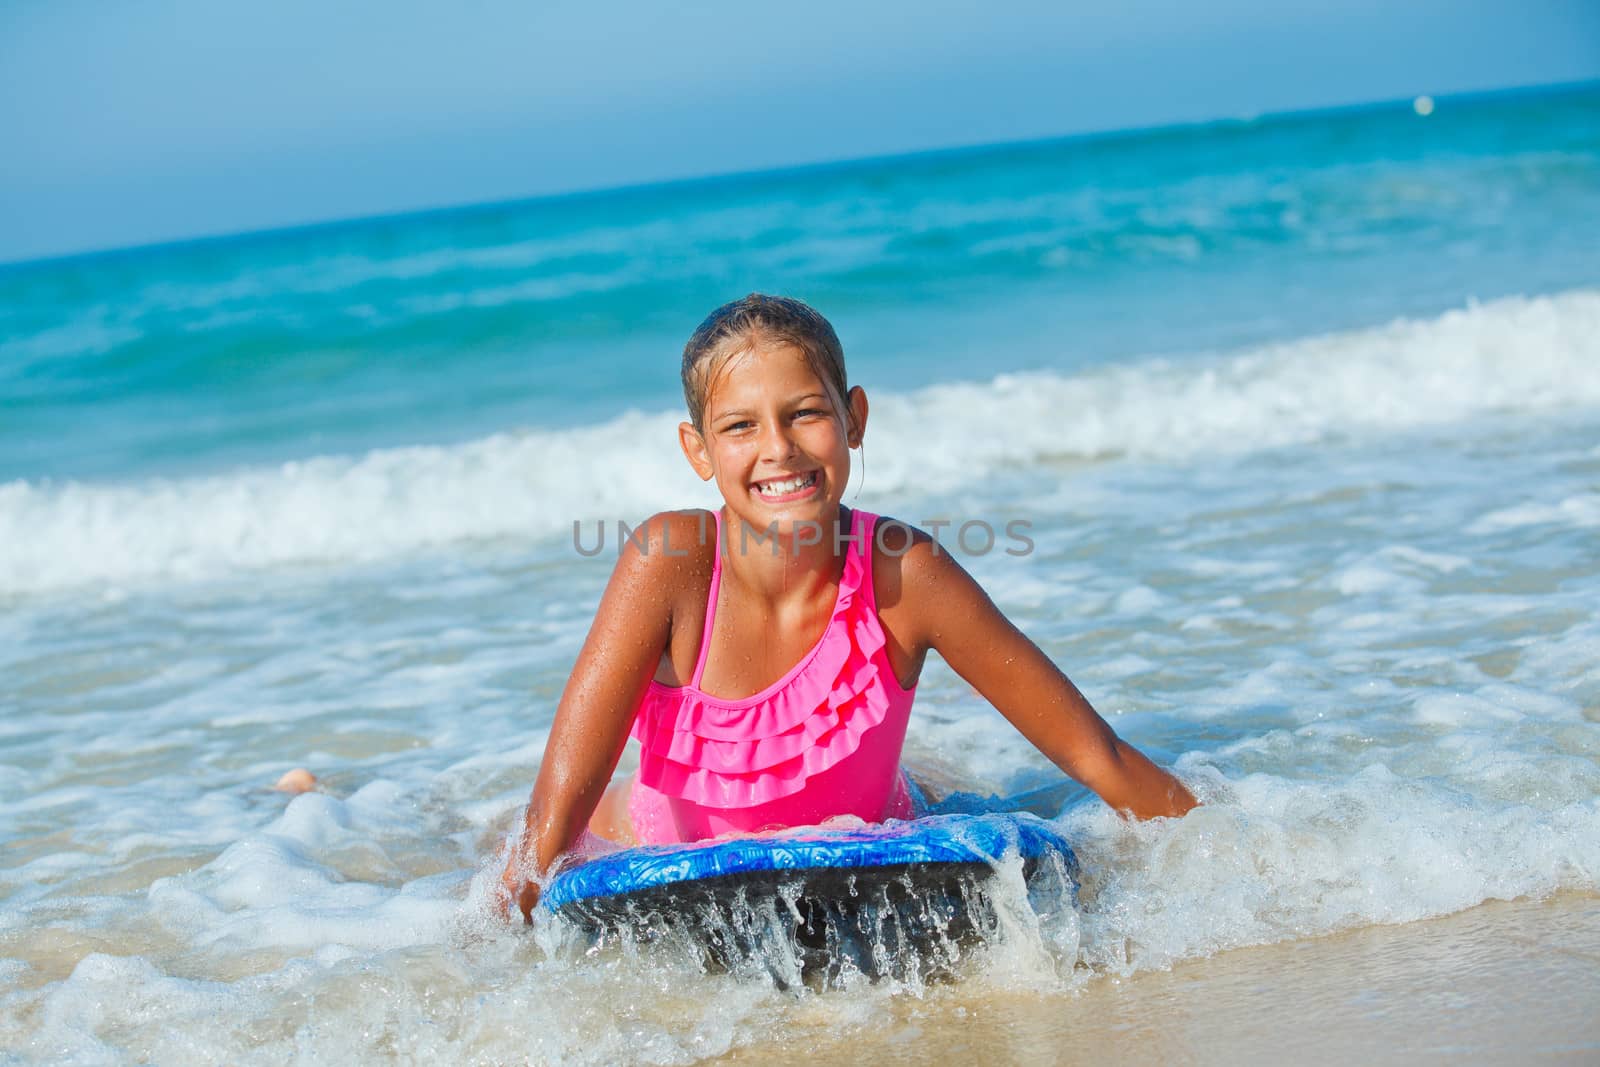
<point>751,760</point>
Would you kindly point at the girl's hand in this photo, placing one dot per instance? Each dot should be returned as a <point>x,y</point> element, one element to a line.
<point>518,891</point>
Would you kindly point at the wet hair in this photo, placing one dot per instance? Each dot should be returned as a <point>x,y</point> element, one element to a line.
<point>761,320</point>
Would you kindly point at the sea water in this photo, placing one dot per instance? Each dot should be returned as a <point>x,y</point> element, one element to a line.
<point>1300,415</point>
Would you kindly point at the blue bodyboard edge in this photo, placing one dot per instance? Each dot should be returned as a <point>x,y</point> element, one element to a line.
<point>933,841</point>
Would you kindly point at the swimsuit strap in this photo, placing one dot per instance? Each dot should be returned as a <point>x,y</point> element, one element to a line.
<point>711,606</point>
<point>863,529</point>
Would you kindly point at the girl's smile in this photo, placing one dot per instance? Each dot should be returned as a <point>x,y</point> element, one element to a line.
<point>787,490</point>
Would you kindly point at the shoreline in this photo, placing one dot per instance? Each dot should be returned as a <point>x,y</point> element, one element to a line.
<point>1504,978</point>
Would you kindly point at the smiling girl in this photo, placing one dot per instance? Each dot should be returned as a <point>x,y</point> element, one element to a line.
<point>768,671</point>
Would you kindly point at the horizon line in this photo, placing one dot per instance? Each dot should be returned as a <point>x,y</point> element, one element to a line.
<point>602,192</point>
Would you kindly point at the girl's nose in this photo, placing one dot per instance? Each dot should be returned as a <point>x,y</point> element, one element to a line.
<point>777,442</point>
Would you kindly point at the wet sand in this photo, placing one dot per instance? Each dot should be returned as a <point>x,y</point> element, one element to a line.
<point>1505,981</point>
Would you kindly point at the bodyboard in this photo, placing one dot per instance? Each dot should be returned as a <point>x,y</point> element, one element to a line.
<point>872,897</point>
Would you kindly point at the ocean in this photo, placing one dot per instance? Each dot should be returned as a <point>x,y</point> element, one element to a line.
<point>1302,413</point>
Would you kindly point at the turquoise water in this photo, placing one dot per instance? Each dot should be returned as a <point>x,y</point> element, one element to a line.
<point>1304,413</point>
<point>1056,255</point>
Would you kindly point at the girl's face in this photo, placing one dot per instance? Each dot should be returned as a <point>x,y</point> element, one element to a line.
<point>776,442</point>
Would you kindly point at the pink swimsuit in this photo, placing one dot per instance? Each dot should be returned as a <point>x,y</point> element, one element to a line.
<point>823,740</point>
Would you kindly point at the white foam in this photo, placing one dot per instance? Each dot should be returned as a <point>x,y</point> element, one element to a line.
<point>1517,356</point>
<point>1270,859</point>
<point>384,504</point>
<point>1580,510</point>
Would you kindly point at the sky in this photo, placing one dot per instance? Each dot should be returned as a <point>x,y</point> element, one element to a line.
<point>126,123</point>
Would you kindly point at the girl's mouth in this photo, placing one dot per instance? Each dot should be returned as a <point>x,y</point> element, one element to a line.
<point>789,487</point>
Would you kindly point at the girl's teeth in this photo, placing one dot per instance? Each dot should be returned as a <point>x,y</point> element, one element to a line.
<point>789,486</point>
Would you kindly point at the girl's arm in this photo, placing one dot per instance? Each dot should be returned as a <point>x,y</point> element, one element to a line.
<point>630,631</point>
<point>956,618</point>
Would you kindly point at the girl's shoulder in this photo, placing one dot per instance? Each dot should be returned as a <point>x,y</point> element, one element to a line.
<point>915,577</point>
<point>901,559</point>
<point>684,534</point>
<point>892,538</point>
<point>672,535</point>
<point>901,550</point>
<point>672,551</point>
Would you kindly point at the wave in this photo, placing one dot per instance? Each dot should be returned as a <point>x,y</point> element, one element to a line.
<point>1520,355</point>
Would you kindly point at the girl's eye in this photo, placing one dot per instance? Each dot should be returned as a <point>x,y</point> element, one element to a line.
<point>803,412</point>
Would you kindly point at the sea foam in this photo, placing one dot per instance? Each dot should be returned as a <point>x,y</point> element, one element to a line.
<point>1510,357</point>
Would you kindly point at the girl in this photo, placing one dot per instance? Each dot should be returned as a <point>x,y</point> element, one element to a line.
<point>768,671</point>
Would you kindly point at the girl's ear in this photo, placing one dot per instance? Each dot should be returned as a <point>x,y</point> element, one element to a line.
<point>857,401</point>
<point>694,450</point>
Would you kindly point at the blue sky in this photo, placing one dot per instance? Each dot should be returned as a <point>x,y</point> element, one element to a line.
<point>136,122</point>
